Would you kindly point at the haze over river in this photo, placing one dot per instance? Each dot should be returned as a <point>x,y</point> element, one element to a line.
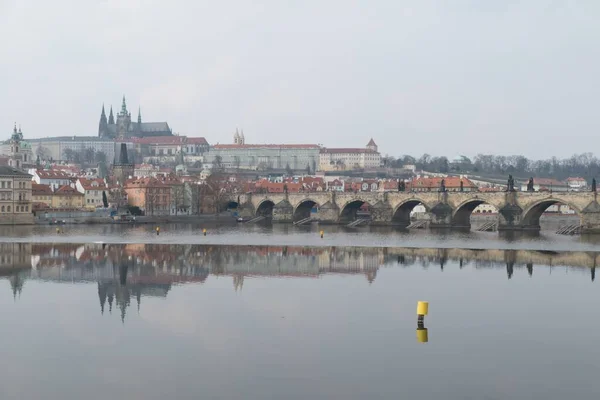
<point>276,312</point>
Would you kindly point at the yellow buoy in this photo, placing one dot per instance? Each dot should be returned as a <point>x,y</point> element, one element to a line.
<point>158,230</point>
<point>204,231</point>
<point>422,308</point>
<point>322,233</point>
<point>422,336</point>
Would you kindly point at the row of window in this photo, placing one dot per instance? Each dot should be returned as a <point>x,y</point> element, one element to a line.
<point>8,185</point>
<point>6,209</point>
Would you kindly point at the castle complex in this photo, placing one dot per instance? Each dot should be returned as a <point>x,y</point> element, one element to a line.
<point>123,127</point>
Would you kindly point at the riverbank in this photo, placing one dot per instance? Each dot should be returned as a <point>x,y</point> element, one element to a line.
<point>225,219</point>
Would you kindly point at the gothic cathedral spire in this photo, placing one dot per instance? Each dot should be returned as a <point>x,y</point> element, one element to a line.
<point>124,107</point>
<point>103,125</point>
<point>111,118</point>
<point>139,115</point>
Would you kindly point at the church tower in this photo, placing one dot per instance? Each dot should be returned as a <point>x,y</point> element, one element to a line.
<point>15,158</point>
<point>123,168</point>
<point>103,125</point>
<point>371,145</point>
<point>123,121</point>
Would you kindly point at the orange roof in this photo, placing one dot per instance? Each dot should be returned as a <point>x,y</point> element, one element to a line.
<point>261,146</point>
<point>67,190</point>
<point>346,150</point>
<point>52,174</point>
<point>39,189</point>
<point>92,184</point>
<point>156,140</point>
<point>435,182</point>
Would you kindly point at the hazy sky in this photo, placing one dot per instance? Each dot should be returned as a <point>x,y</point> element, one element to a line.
<point>442,77</point>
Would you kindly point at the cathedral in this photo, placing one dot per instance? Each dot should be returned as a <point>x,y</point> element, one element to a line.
<point>125,128</point>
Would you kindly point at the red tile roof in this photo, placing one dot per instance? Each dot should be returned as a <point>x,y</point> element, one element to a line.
<point>52,174</point>
<point>40,190</point>
<point>262,146</point>
<point>67,190</point>
<point>346,150</point>
<point>174,140</point>
<point>435,182</point>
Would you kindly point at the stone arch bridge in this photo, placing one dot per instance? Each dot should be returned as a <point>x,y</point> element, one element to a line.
<point>517,210</point>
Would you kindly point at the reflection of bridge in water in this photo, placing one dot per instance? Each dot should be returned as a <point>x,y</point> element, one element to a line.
<point>126,272</point>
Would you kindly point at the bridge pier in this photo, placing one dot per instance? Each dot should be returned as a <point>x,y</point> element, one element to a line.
<point>441,216</point>
<point>381,213</point>
<point>590,218</point>
<point>283,212</point>
<point>328,213</point>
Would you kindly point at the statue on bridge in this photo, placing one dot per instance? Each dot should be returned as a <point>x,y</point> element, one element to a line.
<point>530,187</point>
<point>510,187</point>
<point>443,185</point>
<point>401,185</point>
<point>462,186</point>
<point>593,184</point>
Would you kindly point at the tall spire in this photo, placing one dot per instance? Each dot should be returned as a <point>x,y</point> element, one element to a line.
<point>103,116</point>
<point>124,107</point>
<point>139,115</point>
<point>15,128</point>
<point>111,118</point>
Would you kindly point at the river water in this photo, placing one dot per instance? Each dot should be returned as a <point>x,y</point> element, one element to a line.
<point>279,313</point>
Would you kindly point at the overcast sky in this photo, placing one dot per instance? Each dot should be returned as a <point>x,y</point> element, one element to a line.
<point>442,77</point>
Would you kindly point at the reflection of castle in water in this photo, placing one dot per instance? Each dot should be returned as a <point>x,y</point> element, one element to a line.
<point>127,272</point>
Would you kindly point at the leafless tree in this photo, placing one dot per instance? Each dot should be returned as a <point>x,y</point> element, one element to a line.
<point>152,199</point>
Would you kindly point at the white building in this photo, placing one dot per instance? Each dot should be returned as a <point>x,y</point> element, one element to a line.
<point>56,148</point>
<point>335,159</point>
<point>264,156</point>
<point>53,178</point>
<point>577,184</point>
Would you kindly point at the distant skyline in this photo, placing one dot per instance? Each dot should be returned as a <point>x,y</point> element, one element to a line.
<point>436,77</point>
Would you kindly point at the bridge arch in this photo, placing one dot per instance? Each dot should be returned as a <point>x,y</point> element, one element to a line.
<point>530,218</point>
<point>461,216</point>
<point>265,208</point>
<point>401,215</point>
<point>303,209</point>
<point>350,209</point>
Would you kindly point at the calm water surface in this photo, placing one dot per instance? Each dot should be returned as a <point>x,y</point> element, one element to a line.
<point>156,321</point>
<point>250,234</point>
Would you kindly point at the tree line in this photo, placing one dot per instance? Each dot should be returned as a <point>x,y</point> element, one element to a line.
<point>584,165</point>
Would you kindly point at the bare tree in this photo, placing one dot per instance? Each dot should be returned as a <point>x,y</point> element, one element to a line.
<point>118,196</point>
<point>152,200</point>
<point>42,152</point>
<point>178,197</point>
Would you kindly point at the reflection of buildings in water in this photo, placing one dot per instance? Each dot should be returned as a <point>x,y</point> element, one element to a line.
<point>14,256</point>
<point>151,269</point>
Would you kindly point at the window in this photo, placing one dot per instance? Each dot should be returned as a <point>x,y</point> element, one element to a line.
<point>3,185</point>
<point>2,208</point>
<point>8,209</point>
<point>8,185</point>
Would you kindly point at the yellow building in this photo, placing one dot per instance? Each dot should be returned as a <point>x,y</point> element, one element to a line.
<point>41,195</point>
<point>67,197</point>
<point>92,190</point>
<point>15,197</point>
